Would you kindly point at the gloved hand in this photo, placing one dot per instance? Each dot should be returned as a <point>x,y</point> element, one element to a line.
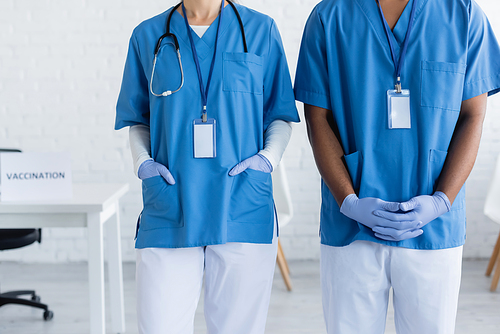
<point>255,162</point>
<point>150,168</point>
<point>420,209</point>
<point>362,210</point>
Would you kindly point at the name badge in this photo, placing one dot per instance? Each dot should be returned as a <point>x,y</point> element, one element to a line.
<point>398,109</point>
<point>204,138</point>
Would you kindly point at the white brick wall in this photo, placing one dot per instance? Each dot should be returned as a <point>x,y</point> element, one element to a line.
<point>60,72</point>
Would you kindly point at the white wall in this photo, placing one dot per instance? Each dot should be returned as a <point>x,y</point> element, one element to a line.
<point>60,71</point>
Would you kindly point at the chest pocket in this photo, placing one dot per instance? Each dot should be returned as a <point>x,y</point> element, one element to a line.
<point>442,85</point>
<point>242,72</point>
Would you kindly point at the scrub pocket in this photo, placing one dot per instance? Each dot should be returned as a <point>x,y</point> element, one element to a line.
<point>251,198</point>
<point>161,204</point>
<point>242,72</point>
<point>442,85</point>
<point>436,163</point>
<point>354,163</point>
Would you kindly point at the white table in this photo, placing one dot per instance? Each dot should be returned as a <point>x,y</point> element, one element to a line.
<point>92,206</point>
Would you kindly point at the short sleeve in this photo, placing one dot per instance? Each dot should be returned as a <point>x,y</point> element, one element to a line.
<point>483,56</point>
<point>133,102</point>
<point>279,101</point>
<point>311,79</point>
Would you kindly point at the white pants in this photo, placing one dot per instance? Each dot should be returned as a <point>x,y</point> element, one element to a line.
<point>238,281</point>
<point>356,280</point>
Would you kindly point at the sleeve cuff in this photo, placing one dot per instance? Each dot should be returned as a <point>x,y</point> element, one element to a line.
<point>269,157</point>
<point>313,98</point>
<point>489,85</point>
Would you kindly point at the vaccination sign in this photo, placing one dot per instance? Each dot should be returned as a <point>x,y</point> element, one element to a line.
<point>35,177</point>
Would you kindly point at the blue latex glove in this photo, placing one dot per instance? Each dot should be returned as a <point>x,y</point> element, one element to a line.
<point>150,168</point>
<point>255,162</point>
<point>362,210</point>
<point>420,209</point>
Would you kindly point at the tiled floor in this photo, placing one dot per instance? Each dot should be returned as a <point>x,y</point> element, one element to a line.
<point>64,288</point>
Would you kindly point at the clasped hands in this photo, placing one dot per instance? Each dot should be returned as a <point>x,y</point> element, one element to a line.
<point>393,221</point>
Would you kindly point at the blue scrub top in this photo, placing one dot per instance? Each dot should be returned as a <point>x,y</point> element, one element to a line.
<point>345,65</point>
<point>248,91</point>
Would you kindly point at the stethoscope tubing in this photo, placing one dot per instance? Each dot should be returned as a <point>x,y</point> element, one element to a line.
<point>168,92</point>
<point>177,48</point>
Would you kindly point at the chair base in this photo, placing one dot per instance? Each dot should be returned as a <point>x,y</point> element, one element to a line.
<point>12,297</point>
<point>494,260</point>
<point>283,265</point>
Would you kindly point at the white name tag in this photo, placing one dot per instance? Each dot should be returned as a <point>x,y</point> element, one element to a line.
<point>204,138</point>
<point>35,176</point>
<point>398,108</point>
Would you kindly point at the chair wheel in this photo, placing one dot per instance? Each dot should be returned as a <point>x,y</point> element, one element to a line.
<point>35,298</point>
<point>48,315</point>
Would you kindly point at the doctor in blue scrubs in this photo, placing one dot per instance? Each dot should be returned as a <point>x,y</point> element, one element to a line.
<point>208,98</point>
<point>395,97</point>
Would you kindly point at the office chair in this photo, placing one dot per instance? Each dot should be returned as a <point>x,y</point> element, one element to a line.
<point>16,238</point>
<point>492,211</point>
<point>284,207</point>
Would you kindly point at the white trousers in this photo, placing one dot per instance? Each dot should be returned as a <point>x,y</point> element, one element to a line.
<point>238,281</point>
<point>356,280</point>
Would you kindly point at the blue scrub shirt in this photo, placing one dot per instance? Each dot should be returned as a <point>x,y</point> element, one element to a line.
<point>345,65</point>
<point>247,92</point>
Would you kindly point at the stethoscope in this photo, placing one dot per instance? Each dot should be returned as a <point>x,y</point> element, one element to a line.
<point>176,44</point>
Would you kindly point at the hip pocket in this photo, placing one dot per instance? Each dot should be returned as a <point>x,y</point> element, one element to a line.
<point>161,205</point>
<point>251,198</point>
<point>242,72</point>
<point>354,164</point>
<point>442,85</point>
<point>436,163</point>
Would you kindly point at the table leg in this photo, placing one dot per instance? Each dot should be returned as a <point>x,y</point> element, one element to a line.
<point>115,271</point>
<point>96,274</point>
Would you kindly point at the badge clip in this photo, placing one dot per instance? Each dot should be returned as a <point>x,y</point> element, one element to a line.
<point>397,87</point>
<point>204,115</point>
